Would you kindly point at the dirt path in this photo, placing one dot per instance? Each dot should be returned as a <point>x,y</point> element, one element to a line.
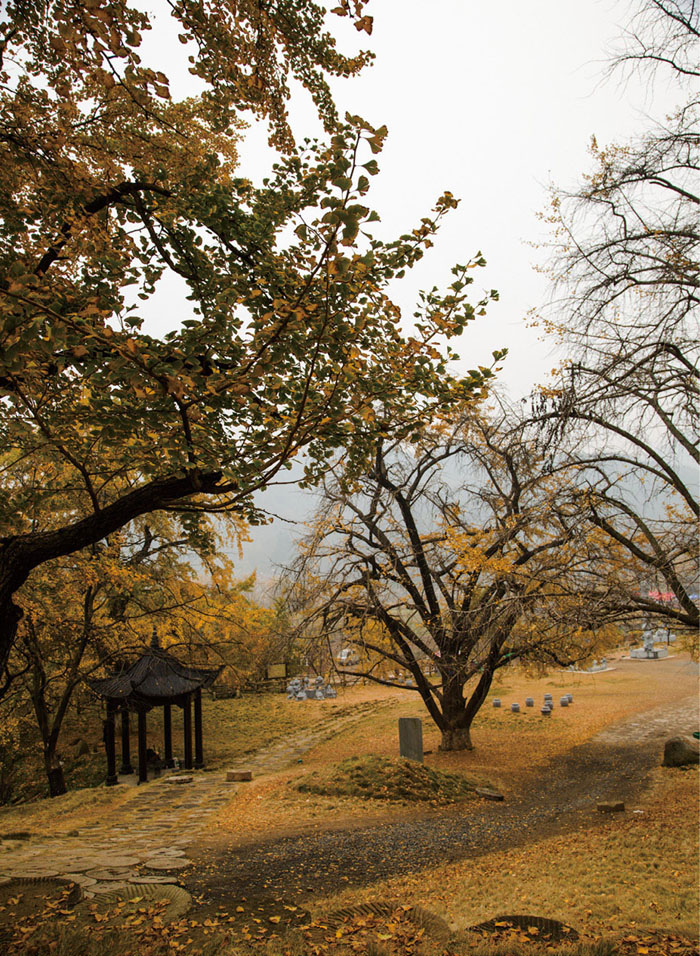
<point>559,798</point>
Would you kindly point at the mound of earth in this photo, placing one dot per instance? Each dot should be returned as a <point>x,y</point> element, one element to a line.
<point>389,778</point>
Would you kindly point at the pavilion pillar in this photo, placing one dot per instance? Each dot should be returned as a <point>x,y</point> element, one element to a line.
<point>167,736</point>
<point>126,767</point>
<point>198,742</point>
<point>187,728</point>
<point>143,766</point>
<point>110,748</point>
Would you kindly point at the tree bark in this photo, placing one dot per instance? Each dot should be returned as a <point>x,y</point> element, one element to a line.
<point>456,738</point>
<point>54,771</point>
<point>458,712</point>
<point>456,722</point>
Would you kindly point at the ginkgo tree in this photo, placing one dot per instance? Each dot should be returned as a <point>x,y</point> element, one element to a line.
<point>450,558</point>
<point>285,338</point>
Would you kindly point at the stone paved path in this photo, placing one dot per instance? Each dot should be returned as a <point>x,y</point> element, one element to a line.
<point>145,839</point>
<point>657,724</point>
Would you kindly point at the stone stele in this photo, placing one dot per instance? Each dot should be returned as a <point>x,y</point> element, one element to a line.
<point>411,738</point>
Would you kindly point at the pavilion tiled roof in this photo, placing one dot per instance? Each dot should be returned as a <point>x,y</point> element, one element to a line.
<point>156,677</point>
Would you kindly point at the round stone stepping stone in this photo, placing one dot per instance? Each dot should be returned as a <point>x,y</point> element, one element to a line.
<point>80,879</point>
<point>137,878</point>
<point>430,922</point>
<point>106,887</point>
<point>179,900</point>
<point>115,862</point>
<point>102,875</point>
<point>544,928</point>
<point>161,863</point>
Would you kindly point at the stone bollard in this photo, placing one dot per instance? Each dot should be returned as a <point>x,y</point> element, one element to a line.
<point>515,708</point>
<point>529,702</point>
<point>563,701</point>
<point>496,701</point>
<point>545,711</point>
<point>571,698</point>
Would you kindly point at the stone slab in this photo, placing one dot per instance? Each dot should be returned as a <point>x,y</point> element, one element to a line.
<point>178,779</point>
<point>80,879</point>
<point>610,806</point>
<point>242,775</point>
<point>411,738</point>
<point>489,794</point>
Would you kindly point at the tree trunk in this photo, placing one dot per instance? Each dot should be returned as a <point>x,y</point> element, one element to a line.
<point>456,738</point>
<point>458,712</point>
<point>456,718</point>
<point>54,772</point>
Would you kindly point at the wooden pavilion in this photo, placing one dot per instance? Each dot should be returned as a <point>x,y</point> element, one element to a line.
<point>156,679</point>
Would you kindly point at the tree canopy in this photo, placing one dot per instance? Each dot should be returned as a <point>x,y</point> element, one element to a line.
<point>286,338</point>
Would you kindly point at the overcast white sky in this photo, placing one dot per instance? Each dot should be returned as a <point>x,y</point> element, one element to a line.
<point>493,102</point>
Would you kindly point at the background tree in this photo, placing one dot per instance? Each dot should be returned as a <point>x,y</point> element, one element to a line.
<point>627,273</point>
<point>98,608</point>
<point>288,337</point>
<point>451,559</point>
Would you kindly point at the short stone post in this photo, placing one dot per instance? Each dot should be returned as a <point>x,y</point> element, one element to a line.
<point>411,738</point>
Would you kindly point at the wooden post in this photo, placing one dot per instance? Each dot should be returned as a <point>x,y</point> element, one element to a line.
<point>167,736</point>
<point>187,728</point>
<point>126,767</point>
<point>108,732</point>
<point>198,742</point>
<point>143,767</point>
